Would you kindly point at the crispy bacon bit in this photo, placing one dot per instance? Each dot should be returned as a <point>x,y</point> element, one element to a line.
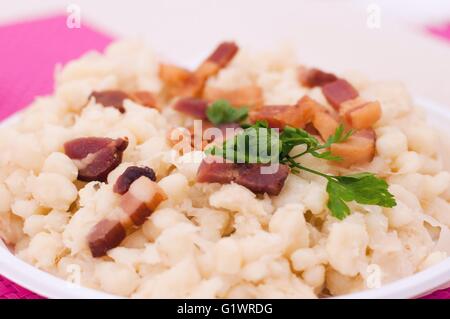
<point>338,92</point>
<point>192,106</point>
<point>105,235</point>
<point>95,157</point>
<point>250,96</point>
<point>315,77</point>
<point>364,116</point>
<point>325,123</point>
<point>223,54</point>
<point>139,202</point>
<point>144,98</point>
<point>358,149</point>
<point>179,81</point>
<point>110,98</point>
<point>131,174</point>
<point>247,175</point>
<point>173,75</point>
<point>278,116</point>
<point>219,59</point>
<point>182,82</point>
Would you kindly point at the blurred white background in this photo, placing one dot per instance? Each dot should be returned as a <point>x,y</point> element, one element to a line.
<point>330,34</point>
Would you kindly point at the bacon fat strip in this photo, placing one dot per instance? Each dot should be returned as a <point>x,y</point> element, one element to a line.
<point>142,198</point>
<point>278,116</point>
<point>363,116</point>
<point>358,149</point>
<point>325,123</point>
<point>250,95</point>
<point>247,175</point>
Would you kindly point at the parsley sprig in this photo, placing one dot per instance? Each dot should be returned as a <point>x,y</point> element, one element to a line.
<point>221,112</point>
<point>260,144</point>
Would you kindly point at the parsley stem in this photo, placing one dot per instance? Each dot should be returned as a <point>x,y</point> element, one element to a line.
<point>297,165</point>
<point>300,154</point>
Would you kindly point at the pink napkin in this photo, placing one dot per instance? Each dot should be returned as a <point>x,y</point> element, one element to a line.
<point>28,54</point>
<point>442,31</point>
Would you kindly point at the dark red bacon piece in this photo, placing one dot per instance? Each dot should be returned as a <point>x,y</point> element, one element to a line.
<point>95,157</point>
<point>219,59</point>
<point>105,235</point>
<point>223,54</point>
<point>247,175</point>
<point>338,92</point>
<point>110,98</point>
<point>192,106</point>
<point>315,77</point>
<point>131,174</point>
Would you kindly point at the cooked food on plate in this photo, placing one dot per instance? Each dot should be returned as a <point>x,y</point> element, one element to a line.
<point>248,176</point>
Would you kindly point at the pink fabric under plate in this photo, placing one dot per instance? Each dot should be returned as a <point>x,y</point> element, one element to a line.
<point>28,54</point>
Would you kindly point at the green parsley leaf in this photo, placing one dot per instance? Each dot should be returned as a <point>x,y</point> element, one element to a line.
<point>221,111</point>
<point>363,188</point>
<point>256,144</point>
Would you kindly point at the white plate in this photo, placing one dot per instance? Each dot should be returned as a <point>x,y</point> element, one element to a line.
<point>433,278</point>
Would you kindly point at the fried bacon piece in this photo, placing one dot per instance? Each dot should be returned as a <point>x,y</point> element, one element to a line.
<point>363,116</point>
<point>250,95</point>
<point>325,123</point>
<point>247,175</point>
<point>219,59</point>
<point>314,77</point>
<point>358,149</point>
<point>131,174</point>
<point>95,157</point>
<point>278,116</point>
<point>144,98</point>
<point>182,82</point>
<point>338,92</point>
<point>179,82</point>
<point>115,98</point>
<point>192,106</point>
<point>137,204</point>
<point>105,235</point>
<point>110,98</point>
